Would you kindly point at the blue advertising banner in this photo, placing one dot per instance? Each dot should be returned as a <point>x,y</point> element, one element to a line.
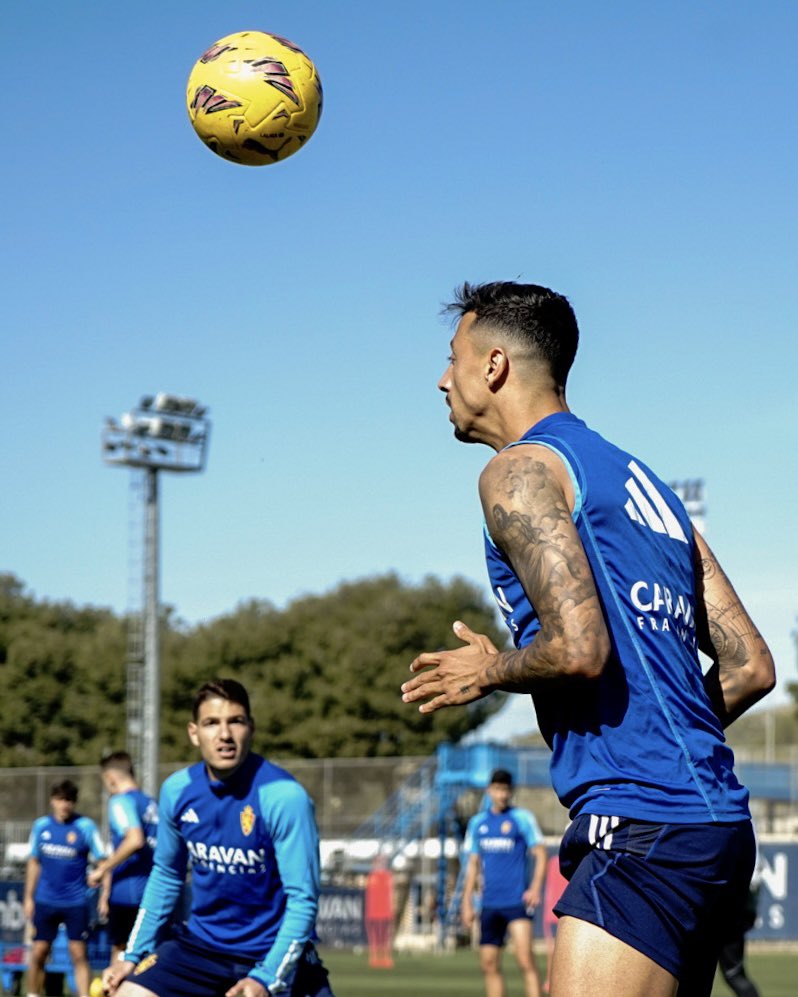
<point>340,921</point>
<point>777,914</point>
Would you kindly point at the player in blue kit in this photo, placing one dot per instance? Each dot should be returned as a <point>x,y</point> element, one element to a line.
<point>609,594</point>
<point>248,831</point>
<point>133,821</point>
<point>500,842</point>
<point>61,847</point>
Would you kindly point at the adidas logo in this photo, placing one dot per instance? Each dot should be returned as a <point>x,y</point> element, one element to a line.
<point>648,508</point>
<point>190,816</point>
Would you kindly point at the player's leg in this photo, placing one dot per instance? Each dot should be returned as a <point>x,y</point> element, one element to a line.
<point>521,933</point>
<point>732,965</point>
<point>490,962</point>
<point>133,990</point>
<point>39,953</point>
<point>121,918</point>
<point>589,961</point>
<point>80,964</point>
<point>76,921</point>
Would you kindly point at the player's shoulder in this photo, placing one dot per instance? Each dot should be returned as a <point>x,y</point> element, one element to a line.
<point>41,824</point>
<point>85,824</point>
<point>275,784</point>
<point>525,819</point>
<point>175,784</point>
<point>474,822</point>
<point>529,460</point>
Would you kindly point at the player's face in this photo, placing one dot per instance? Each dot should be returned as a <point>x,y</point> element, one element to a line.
<point>500,796</point>
<point>223,734</point>
<point>463,381</point>
<point>62,809</point>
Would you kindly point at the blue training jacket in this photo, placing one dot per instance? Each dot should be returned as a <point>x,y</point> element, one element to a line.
<point>642,741</point>
<point>253,848</point>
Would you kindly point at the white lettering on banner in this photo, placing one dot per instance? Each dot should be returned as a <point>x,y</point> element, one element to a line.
<point>332,906</point>
<point>774,877</point>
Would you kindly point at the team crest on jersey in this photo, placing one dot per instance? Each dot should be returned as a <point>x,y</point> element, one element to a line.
<point>506,827</point>
<point>72,837</point>
<point>247,819</point>
<point>147,963</point>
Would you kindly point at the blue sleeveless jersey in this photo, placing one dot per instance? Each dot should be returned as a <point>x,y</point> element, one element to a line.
<point>502,842</point>
<point>128,810</point>
<point>252,845</point>
<point>642,741</point>
<point>64,851</point>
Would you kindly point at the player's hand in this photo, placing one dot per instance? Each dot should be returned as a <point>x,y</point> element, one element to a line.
<point>102,908</point>
<point>452,678</point>
<point>114,975</point>
<point>95,877</point>
<point>530,897</point>
<point>247,988</point>
<point>29,908</point>
<point>467,915</point>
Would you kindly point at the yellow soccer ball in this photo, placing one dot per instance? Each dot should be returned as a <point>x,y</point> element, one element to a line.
<point>254,98</point>
<point>96,988</point>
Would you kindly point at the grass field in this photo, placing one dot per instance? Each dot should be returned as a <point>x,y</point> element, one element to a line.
<point>776,975</point>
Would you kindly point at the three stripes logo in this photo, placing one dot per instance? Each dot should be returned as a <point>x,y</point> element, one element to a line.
<point>190,816</point>
<point>599,833</point>
<point>647,507</point>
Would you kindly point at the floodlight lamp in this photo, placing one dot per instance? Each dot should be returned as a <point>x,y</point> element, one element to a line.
<point>146,402</point>
<point>128,422</point>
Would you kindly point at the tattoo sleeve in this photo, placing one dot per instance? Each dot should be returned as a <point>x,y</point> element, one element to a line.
<point>742,670</point>
<point>529,519</point>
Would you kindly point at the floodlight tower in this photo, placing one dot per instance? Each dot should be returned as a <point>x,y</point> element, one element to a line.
<point>163,433</point>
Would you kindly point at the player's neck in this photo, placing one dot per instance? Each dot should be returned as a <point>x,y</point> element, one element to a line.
<point>522,413</point>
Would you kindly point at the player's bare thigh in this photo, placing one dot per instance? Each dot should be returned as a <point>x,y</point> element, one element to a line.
<point>133,990</point>
<point>590,961</point>
<point>521,934</point>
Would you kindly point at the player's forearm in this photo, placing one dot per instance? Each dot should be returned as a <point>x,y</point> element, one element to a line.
<point>32,873</point>
<point>126,848</point>
<point>550,657</point>
<point>732,691</point>
<point>295,930</point>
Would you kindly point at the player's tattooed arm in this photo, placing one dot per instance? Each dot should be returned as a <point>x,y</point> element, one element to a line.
<point>742,669</point>
<point>528,517</point>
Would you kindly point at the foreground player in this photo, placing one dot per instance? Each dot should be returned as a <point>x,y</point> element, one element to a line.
<point>608,593</point>
<point>249,830</point>
<point>499,842</point>
<point>61,847</point>
<point>133,820</point>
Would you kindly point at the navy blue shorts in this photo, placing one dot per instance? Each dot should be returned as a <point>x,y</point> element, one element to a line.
<point>493,923</point>
<point>179,968</point>
<point>667,890</point>
<point>121,918</point>
<point>46,920</point>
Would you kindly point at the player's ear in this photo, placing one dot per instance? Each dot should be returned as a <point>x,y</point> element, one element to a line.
<point>192,733</point>
<point>496,367</point>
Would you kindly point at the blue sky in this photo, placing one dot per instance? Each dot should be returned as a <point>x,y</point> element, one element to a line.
<point>638,157</point>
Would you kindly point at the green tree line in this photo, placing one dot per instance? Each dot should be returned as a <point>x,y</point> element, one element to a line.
<point>323,672</point>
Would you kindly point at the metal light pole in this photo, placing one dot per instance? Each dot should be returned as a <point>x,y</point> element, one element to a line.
<point>163,433</point>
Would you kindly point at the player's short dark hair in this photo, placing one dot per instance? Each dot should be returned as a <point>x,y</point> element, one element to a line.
<point>64,790</point>
<point>227,689</point>
<point>119,761</point>
<point>501,777</point>
<point>532,315</point>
